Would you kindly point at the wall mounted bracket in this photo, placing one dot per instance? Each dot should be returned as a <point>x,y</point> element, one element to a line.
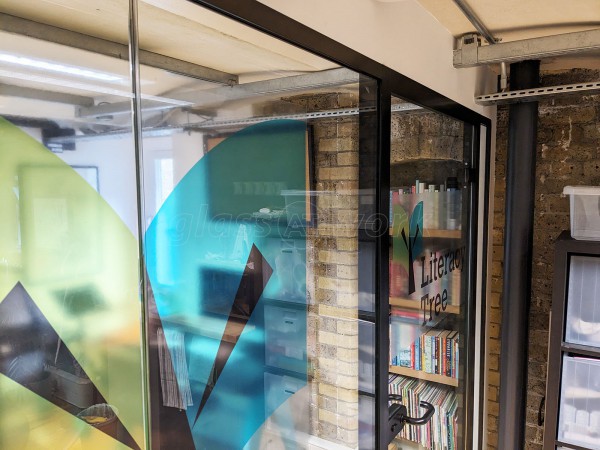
<point>471,53</point>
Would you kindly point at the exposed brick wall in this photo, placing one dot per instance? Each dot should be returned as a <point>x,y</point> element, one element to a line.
<point>568,153</point>
<point>332,273</point>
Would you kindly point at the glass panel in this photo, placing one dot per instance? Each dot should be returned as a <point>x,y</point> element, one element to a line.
<point>583,307</point>
<point>70,334</point>
<point>428,273</point>
<point>252,248</point>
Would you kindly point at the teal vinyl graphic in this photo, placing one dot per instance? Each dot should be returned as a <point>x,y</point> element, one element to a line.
<point>230,279</point>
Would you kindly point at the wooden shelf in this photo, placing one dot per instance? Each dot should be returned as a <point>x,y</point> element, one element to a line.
<point>442,379</point>
<point>408,303</point>
<point>440,234</point>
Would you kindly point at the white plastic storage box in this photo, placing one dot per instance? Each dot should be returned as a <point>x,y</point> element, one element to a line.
<point>579,420</point>
<point>583,301</point>
<point>585,211</point>
<point>297,207</point>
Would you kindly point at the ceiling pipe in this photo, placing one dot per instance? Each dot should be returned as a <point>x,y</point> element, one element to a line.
<point>487,35</point>
<point>475,21</point>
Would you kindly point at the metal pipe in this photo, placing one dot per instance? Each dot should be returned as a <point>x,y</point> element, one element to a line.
<point>475,21</point>
<point>503,77</point>
<point>518,229</point>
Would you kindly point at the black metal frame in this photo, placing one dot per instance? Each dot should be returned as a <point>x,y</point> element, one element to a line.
<point>390,82</point>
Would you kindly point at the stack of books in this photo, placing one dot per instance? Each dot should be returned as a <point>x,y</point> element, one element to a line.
<point>441,432</point>
<point>435,351</point>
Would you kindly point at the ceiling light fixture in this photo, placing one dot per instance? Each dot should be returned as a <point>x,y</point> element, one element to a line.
<point>60,68</point>
<point>49,81</point>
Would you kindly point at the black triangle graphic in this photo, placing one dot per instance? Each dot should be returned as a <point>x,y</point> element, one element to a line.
<point>254,279</point>
<point>29,344</point>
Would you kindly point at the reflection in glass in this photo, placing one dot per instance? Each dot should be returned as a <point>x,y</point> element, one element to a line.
<point>428,260</point>
<point>70,332</point>
<point>252,258</point>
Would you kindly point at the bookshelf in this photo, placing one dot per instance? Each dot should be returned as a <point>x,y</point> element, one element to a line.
<point>421,375</point>
<point>427,257</point>
<point>407,303</point>
<point>440,234</point>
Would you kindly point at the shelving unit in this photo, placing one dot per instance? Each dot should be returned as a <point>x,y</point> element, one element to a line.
<point>572,419</point>
<point>442,379</point>
<point>425,338</point>
<point>440,234</point>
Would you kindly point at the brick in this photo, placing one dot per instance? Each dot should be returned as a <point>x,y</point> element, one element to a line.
<point>494,330</point>
<point>349,342</point>
<point>347,382</point>
<point>492,440</point>
<point>495,315</point>
<point>337,285</point>
<point>348,437</point>
<point>338,367</point>
<point>492,393</point>
<point>347,354</point>
<point>495,300</point>
<point>328,145</point>
<point>333,257</point>
<point>494,346</point>
<point>347,300</point>
<point>347,272</point>
<point>339,173</point>
<point>348,129</point>
<point>347,244</point>
<point>497,253</point>
<point>335,311</point>
<point>346,395</point>
<point>497,268</point>
<point>346,216</point>
<point>345,422</point>
<point>347,159</point>
<point>494,379</point>
<point>347,327</point>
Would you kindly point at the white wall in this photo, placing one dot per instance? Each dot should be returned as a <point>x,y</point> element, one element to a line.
<point>401,35</point>
<point>115,160</point>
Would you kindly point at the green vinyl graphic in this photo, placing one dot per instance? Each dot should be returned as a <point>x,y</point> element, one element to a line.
<point>69,308</point>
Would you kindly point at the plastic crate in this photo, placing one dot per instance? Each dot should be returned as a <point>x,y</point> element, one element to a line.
<point>583,301</point>
<point>585,211</point>
<point>579,421</point>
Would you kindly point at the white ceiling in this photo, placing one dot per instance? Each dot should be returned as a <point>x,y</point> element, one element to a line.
<point>176,28</point>
<point>512,20</point>
<point>179,29</point>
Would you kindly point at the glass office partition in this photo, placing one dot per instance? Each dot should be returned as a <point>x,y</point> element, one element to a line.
<point>254,194</point>
<point>70,328</point>
<point>251,207</point>
<point>430,284</point>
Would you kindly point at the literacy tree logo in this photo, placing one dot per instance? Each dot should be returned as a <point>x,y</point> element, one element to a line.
<point>408,229</point>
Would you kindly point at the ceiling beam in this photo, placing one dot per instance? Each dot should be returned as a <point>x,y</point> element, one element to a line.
<point>471,53</point>
<point>37,30</point>
<point>10,90</point>
<point>260,89</point>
